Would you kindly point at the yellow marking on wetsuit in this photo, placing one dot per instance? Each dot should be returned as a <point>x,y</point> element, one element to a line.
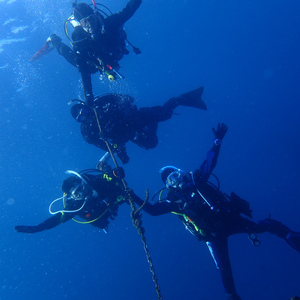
<point>107,177</point>
<point>188,219</point>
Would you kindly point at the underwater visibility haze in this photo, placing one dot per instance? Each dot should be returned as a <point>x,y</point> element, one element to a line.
<point>246,55</point>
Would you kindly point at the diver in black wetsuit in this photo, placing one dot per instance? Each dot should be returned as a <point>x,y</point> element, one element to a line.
<point>93,195</point>
<point>121,121</point>
<point>98,43</point>
<point>211,215</point>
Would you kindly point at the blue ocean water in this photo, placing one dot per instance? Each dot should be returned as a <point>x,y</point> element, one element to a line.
<point>246,55</point>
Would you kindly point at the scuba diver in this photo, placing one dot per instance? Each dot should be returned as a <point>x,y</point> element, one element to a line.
<point>98,41</point>
<point>211,215</point>
<point>94,195</point>
<point>116,120</point>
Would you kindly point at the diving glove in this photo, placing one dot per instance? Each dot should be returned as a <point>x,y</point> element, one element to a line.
<point>220,132</point>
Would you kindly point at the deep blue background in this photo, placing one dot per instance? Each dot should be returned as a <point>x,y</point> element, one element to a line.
<point>246,55</point>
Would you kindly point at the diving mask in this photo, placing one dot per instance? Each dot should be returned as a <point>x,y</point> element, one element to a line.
<point>89,23</point>
<point>177,179</point>
<point>81,192</point>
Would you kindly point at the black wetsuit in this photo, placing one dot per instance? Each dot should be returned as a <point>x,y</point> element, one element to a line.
<point>97,210</point>
<point>121,121</point>
<point>215,220</point>
<point>107,45</point>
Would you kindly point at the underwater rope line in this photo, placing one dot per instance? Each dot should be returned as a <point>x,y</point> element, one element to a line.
<point>135,215</point>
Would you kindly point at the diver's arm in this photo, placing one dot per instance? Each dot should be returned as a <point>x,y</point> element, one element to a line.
<point>81,58</point>
<point>156,209</point>
<point>47,224</point>
<point>209,164</point>
<point>120,18</point>
<point>202,174</point>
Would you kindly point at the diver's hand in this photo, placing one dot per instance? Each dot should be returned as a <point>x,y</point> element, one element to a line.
<point>219,133</point>
<point>119,172</point>
<point>55,40</point>
<point>25,229</point>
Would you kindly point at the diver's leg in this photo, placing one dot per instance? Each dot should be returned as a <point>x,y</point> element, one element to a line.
<point>245,224</point>
<point>145,137</point>
<point>163,113</point>
<point>282,231</point>
<point>218,247</point>
<point>274,227</point>
<point>154,114</point>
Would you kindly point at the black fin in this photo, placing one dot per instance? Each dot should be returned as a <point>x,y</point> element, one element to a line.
<point>193,99</point>
<point>293,239</point>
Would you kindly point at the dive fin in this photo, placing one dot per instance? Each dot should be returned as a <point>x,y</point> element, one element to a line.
<point>47,47</point>
<point>193,99</point>
<point>293,239</point>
